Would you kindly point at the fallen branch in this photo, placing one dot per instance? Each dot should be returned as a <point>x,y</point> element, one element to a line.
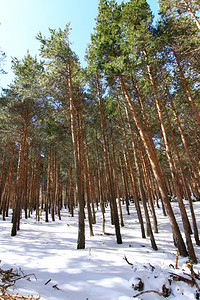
<point>11,276</point>
<point>125,258</point>
<point>190,267</point>
<point>165,292</point>
<point>47,282</point>
<point>177,277</point>
<point>17,297</point>
<point>8,278</point>
<point>193,279</point>
<point>56,287</point>
<point>146,292</point>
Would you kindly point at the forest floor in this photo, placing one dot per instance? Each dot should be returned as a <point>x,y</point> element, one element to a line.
<point>46,256</point>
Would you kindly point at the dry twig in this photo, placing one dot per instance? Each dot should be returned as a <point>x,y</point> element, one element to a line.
<point>8,278</point>
<point>47,282</point>
<point>56,287</point>
<point>125,258</point>
<point>176,265</point>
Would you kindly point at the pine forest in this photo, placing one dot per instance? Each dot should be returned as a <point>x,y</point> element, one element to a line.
<point>121,133</point>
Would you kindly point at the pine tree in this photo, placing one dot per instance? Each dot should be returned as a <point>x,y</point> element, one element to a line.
<point>62,63</point>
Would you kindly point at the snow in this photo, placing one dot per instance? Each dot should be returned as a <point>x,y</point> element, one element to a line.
<point>99,272</point>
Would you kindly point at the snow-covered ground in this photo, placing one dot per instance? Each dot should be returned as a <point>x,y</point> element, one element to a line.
<point>99,272</point>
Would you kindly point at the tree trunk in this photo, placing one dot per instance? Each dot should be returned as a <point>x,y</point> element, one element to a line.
<point>186,188</point>
<point>5,195</point>
<point>108,168</point>
<point>38,186</point>
<point>117,183</point>
<point>53,186</point>
<point>190,158</point>
<point>90,186</point>
<point>178,240</point>
<point>80,200</point>
<point>71,195</point>
<point>48,193</point>
<point>85,177</point>
<point>139,174</point>
<point>174,175</point>
<point>19,184</point>
<point>59,188</point>
<point>125,184</point>
<point>143,164</point>
<point>2,176</point>
<point>101,200</point>
<point>144,202</point>
<point>187,90</point>
<point>26,188</point>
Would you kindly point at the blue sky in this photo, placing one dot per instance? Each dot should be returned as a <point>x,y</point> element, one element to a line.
<point>21,20</point>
